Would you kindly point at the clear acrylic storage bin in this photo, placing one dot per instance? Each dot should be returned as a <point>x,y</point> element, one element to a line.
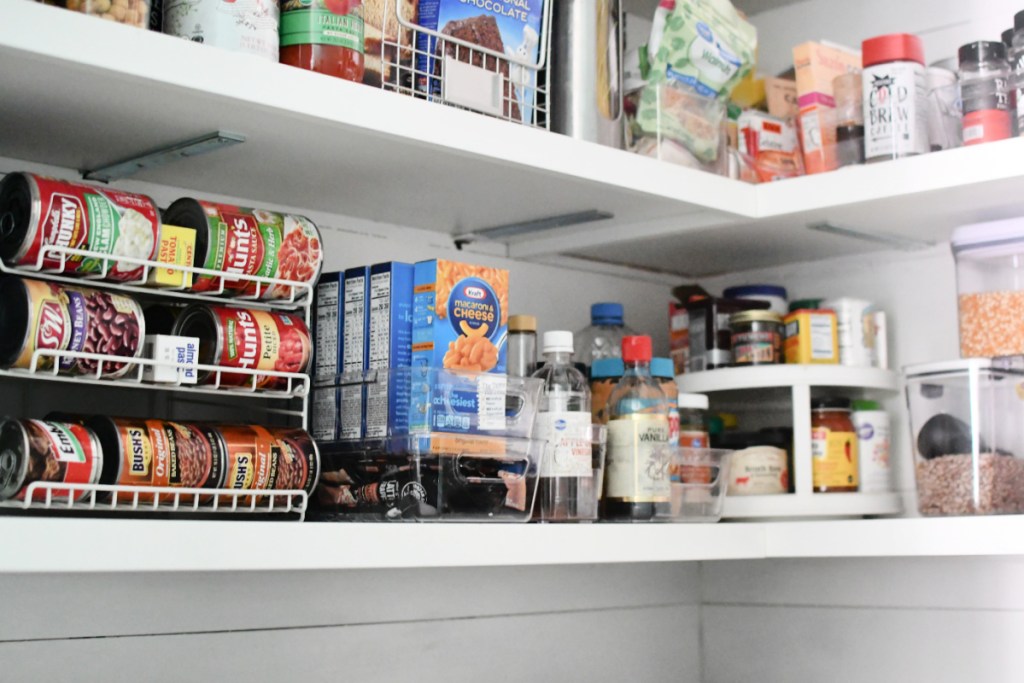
<point>967,431</point>
<point>431,478</point>
<point>698,481</point>
<point>427,444</point>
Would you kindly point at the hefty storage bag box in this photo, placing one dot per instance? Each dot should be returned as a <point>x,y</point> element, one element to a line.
<point>509,27</point>
<point>390,347</point>
<point>460,316</point>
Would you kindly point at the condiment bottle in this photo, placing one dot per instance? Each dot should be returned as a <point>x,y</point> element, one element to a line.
<point>693,420</point>
<point>662,371</point>
<point>984,92</point>
<point>325,37</point>
<point>522,345</point>
<point>604,375</point>
<point>833,446</point>
<point>895,112</point>
<point>564,422</point>
<point>848,92</point>
<point>636,477</point>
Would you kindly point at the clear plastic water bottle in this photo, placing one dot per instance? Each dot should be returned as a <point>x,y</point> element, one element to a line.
<point>567,478</point>
<point>603,337</point>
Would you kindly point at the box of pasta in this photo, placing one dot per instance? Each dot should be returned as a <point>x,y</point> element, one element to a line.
<point>460,316</point>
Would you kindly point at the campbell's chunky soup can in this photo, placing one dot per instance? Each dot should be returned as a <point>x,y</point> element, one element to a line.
<point>38,212</point>
<point>37,315</point>
<point>49,451</point>
<point>246,338</point>
<point>159,453</point>
<point>243,241</point>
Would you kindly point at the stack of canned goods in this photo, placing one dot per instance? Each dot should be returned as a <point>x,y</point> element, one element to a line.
<point>152,453</point>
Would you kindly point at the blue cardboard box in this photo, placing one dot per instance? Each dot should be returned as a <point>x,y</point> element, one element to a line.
<point>354,352</point>
<point>389,346</point>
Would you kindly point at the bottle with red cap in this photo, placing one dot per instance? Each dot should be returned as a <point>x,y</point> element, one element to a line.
<point>636,476</point>
<point>895,97</point>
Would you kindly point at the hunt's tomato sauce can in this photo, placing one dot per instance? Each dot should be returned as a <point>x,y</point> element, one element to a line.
<point>46,450</point>
<point>246,338</point>
<point>37,212</point>
<point>244,241</point>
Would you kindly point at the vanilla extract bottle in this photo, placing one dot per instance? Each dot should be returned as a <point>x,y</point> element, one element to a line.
<point>636,481</point>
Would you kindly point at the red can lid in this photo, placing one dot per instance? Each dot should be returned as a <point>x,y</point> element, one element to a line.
<point>636,349</point>
<point>893,47</point>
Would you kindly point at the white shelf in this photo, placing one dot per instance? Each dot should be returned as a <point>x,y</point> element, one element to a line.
<point>768,376</point>
<point>90,545</point>
<point>397,159</point>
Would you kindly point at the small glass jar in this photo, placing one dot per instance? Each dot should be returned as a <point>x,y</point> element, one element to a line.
<point>833,447</point>
<point>756,338</point>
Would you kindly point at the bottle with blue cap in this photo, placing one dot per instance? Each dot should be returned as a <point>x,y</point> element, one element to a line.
<point>603,337</point>
<point>563,420</point>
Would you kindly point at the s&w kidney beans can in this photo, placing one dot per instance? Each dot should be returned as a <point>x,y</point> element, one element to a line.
<point>51,451</point>
<point>159,453</point>
<point>104,323</point>
<point>248,26</point>
<point>244,241</point>
<point>33,315</point>
<point>37,211</point>
<point>246,338</point>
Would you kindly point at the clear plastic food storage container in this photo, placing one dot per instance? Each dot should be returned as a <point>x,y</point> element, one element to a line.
<point>967,431</point>
<point>990,286</point>
<point>132,12</point>
<point>430,478</point>
<point>698,481</point>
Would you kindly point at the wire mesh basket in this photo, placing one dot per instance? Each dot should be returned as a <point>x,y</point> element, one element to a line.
<point>464,63</point>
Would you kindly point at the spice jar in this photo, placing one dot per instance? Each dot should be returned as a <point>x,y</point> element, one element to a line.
<point>848,89</point>
<point>756,338</point>
<point>984,92</point>
<point>895,93</point>
<point>522,345</point>
<point>833,446</point>
<point>605,373</point>
<point>324,36</point>
<point>693,420</point>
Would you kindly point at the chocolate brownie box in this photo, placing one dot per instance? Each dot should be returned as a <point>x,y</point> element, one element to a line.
<point>509,27</point>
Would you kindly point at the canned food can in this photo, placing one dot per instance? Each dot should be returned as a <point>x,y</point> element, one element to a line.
<point>298,461</point>
<point>33,316</point>
<point>244,338</point>
<point>103,323</point>
<point>45,450</point>
<point>248,26</point>
<point>856,331</point>
<point>159,453</point>
<point>251,453</point>
<point>38,212</point>
<point>244,241</point>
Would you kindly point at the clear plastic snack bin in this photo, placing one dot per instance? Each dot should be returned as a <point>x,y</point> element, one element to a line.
<point>432,445</point>
<point>131,12</point>
<point>990,287</point>
<point>967,431</point>
<point>698,481</point>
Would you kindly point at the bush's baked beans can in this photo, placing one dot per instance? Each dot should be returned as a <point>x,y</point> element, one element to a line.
<point>43,315</point>
<point>246,241</point>
<point>159,453</point>
<point>246,338</point>
<point>37,211</point>
<point>251,456</point>
<point>298,461</point>
<point>46,450</point>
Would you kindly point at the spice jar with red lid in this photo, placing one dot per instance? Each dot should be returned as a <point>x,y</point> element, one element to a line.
<point>984,92</point>
<point>895,97</point>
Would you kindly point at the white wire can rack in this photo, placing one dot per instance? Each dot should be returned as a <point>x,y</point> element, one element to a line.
<point>100,499</point>
<point>300,294</point>
<point>503,81</point>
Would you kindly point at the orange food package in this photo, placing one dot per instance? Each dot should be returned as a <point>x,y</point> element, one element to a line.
<point>817,65</point>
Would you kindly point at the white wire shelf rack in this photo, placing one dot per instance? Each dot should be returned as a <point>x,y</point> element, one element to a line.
<point>85,499</point>
<point>295,386</point>
<point>435,65</point>
<point>300,294</point>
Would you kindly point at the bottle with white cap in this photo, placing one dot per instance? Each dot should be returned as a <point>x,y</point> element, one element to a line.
<point>564,421</point>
